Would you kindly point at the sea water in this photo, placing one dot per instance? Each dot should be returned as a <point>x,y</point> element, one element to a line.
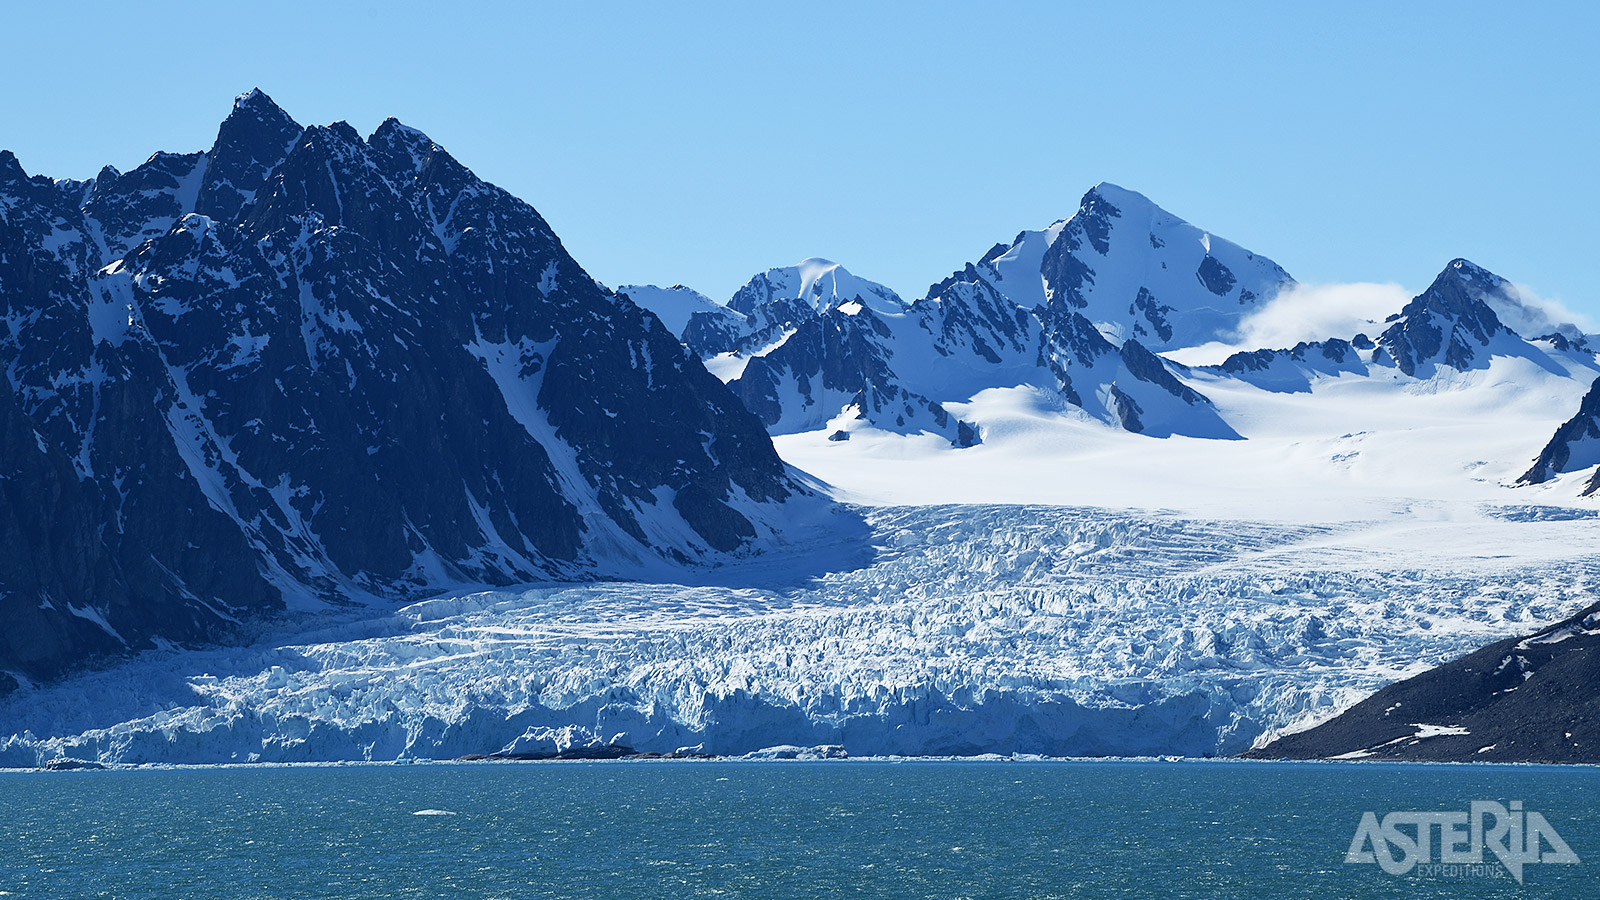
<point>911,829</point>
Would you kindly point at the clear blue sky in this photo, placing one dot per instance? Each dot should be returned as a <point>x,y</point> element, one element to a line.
<point>701,143</point>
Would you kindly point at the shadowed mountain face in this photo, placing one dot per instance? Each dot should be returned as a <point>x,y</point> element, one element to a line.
<point>1528,699</point>
<point>1574,447</point>
<point>306,366</point>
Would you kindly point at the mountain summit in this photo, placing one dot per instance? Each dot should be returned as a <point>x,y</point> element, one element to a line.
<point>1449,323</point>
<point>1133,270</point>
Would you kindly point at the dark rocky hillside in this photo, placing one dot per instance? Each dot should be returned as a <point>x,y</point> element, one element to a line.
<point>310,367</point>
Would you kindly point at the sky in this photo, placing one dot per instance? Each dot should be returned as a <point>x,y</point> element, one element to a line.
<point>701,143</point>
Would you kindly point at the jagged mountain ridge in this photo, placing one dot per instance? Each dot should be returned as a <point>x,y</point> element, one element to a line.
<point>1450,323</point>
<point>818,345</point>
<point>1042,311</point>
<point>307,366</point>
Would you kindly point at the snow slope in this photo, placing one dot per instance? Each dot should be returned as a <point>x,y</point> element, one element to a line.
<point>1356,448</point>
<point>674,305</point>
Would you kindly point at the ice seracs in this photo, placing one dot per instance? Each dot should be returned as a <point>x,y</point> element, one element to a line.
<point>979,629</point>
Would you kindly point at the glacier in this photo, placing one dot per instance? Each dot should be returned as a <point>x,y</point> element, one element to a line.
<point>931,630</point>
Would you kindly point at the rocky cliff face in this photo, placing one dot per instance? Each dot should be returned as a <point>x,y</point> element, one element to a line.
<point>306,366</point>
<point>1574,447</point>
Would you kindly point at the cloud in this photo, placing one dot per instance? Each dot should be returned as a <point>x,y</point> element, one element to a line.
<point>1306,312</point>
<point>1530,315</point>
<point>1317,312</point>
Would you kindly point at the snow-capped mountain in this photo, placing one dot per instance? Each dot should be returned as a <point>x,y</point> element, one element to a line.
<point>307,367</point>
<point>1334,429</point>
<point>811,354</point>
<point>1132,269</point>
<point>818,283</point>
<point>1080,314</point>
<point>809,341</point>
<point>1073,310</point>
<point>1450,324</point>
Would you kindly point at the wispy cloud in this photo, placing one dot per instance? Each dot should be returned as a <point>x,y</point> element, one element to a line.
<point>1315,312</point>
<point>1307,312</point>
<point>1531,315</point>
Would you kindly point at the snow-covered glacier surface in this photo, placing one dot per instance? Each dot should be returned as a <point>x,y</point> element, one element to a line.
<point>944,630</point>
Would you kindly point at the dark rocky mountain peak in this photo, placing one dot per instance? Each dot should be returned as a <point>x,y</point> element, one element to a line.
<point>310,367</point>
<point>128,209</point>
<point>1449,323</point>
<point>403,147</point>
<point>250,143</point>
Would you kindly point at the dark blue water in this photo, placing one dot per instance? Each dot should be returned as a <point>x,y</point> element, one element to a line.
<point>762,830</point>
